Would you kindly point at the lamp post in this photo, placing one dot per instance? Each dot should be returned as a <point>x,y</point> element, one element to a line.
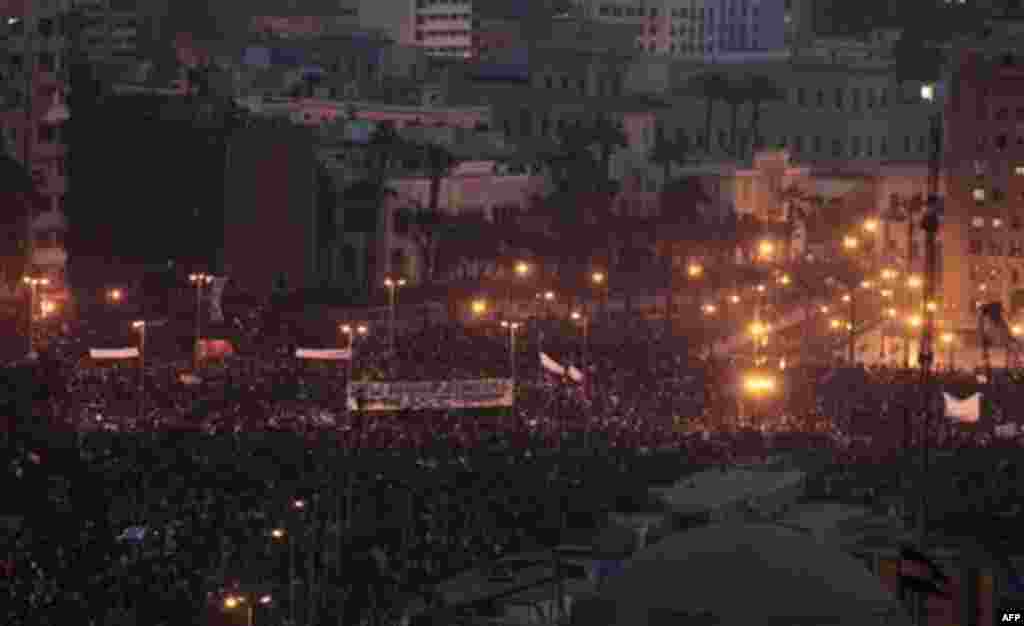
<point>140,326</point>
<point>199,280</point>
<point>584,321</point>
<point>393,285</point>
<point>115,296</point>
<point>353,332</point>
<point>600,282</point>
<point>34,283</point>
<point>520,269</point>
<point>512,328</point>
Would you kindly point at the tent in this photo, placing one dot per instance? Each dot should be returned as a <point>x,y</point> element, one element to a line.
<point>749,573</point>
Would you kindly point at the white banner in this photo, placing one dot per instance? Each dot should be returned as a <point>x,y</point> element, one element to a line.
<point>114,353</point>
<point>967,411</point>
<point>216,297</point>
<point>323,355</point>
<point>453,394</point>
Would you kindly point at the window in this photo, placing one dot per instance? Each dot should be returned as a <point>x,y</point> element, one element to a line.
<point>883,149</point>
<point>1015,273</point>
<point>801,96</point>
<point>855,146</point>
<point>1018,170</point>
<point>978,222</point>
<point>906,143</point>
<point>821,98</point>
<point>565,82</point>
<point>979,195</point>
<point>549,82</point>
<point>997,223</point>
<point>995,248</point>
<point>997,195</point>
<point>1001,142</point>
<point>1015,223</point>
<point>1002,114</point>
<point>798,144</point>
<point>921,144</point>
<point>974,246</point>
<point>817,143</point>
<point>837,147</point>
<point>1015,250</point>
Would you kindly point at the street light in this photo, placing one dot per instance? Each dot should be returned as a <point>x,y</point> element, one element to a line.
<point>890,274</point>
<point>886,293</point>
<point>825,309</point>
<point>914,282</point>
<point>393,285</point>
<point>115,296</point>
<point>765,250</point>
<point>734,298</point>
<point>584,321</point>
<point>512,328</point>
<point>784,280</point>
<point>140,326</point>
<point>479,307</point>
<point>199,280</point>
<point>914,321</point>
<point>34,283</point>
<point>850,242</point>
<point>709,309</point>
<point>870,225</point>
<point>695,270</point>
<point>1016,330</point>
<point>599,280</point>
<point>234,601</point>
<point>47,307</point>
<point>522,269</point>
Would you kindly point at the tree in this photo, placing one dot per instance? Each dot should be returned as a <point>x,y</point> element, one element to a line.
<point>667,152</point>
<point>679,225</point>
<point>712,86</point>
<point>758,90</point>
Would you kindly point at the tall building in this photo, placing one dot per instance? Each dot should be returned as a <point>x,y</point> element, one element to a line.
<point>983,230</point>
<point>697,28</point>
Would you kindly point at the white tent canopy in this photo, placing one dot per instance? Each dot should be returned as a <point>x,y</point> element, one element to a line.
<point>745,574</point>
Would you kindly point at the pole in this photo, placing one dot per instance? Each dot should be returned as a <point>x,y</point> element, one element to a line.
<point>512,351</point>
<point>391,313</point>
<point>29,65</point>
<point>199,317</point>
<point>250,617</point>
<point>142,372</point>
<point>31,319</point>
<point>852,335</point>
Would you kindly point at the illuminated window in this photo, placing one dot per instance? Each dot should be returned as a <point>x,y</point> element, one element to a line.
<point>1019,170</point>
<point>978,222</point>
<point>997,223</point>
<point>978,194</point>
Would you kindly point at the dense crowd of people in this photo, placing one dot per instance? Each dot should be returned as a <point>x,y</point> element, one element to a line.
<point>149,507</point>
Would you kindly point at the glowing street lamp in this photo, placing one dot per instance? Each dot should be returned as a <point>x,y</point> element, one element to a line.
<point>824,309</point>
<point>890,312</point>
<point>867,284</point>
<point>709,309</point>
<point>1016,330</point>
<point>757,329</point>
<point>870,225</point>
<point>758,384</point>
<point>931,306</point>
<point>115,295</point>
<point>887,293</point>
<point>761,288</point>
<point>522,269</point>
<point>734,298</point>
<point>784,280</point>
<point>512,328</point>
<point>835,324</point>
<point>695,270</point>
<point>393,285</point>
<point>915,321</point>
<point>277,533</point>
<point>199,280</point>
<point>850,242</point>
<point>34,283</point>
<point>915,282</point>
<point>847,297</point>
<point>889,274</point>
<point>479,306</point>
<point>765,250</point>
<point>597,278</point>
<point>47,308</point>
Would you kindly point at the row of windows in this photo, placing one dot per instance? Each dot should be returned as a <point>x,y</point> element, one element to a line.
<point>422,35</point>
<point>999,142</point>
<point>422,4</point>
<point>868,96</point>
<point>422,20</point>
<point>977,247</point>
<point>607,87</point>
<point>742,10</point>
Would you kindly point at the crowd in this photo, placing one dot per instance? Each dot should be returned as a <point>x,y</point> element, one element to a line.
<point>150,508</point>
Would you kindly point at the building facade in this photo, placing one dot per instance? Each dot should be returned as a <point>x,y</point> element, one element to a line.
<point>983,231</point>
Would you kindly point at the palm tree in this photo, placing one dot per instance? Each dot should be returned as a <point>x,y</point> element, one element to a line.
<point>678,219</point>
<point>667,152</point>
<point>758,90</point>
<point>426,228</point>
<point>713,86</point>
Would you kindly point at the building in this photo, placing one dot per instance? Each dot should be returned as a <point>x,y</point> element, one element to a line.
<point>32,114</point>
<point>983,230</point>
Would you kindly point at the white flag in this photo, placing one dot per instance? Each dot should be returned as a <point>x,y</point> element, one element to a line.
<point>966,411</point>
<point>575,374</point>
<point>1007,431</point>
<point>216,296</point>
<point>115,353</point>
<point>324,355</point>
<point>551,365</point>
